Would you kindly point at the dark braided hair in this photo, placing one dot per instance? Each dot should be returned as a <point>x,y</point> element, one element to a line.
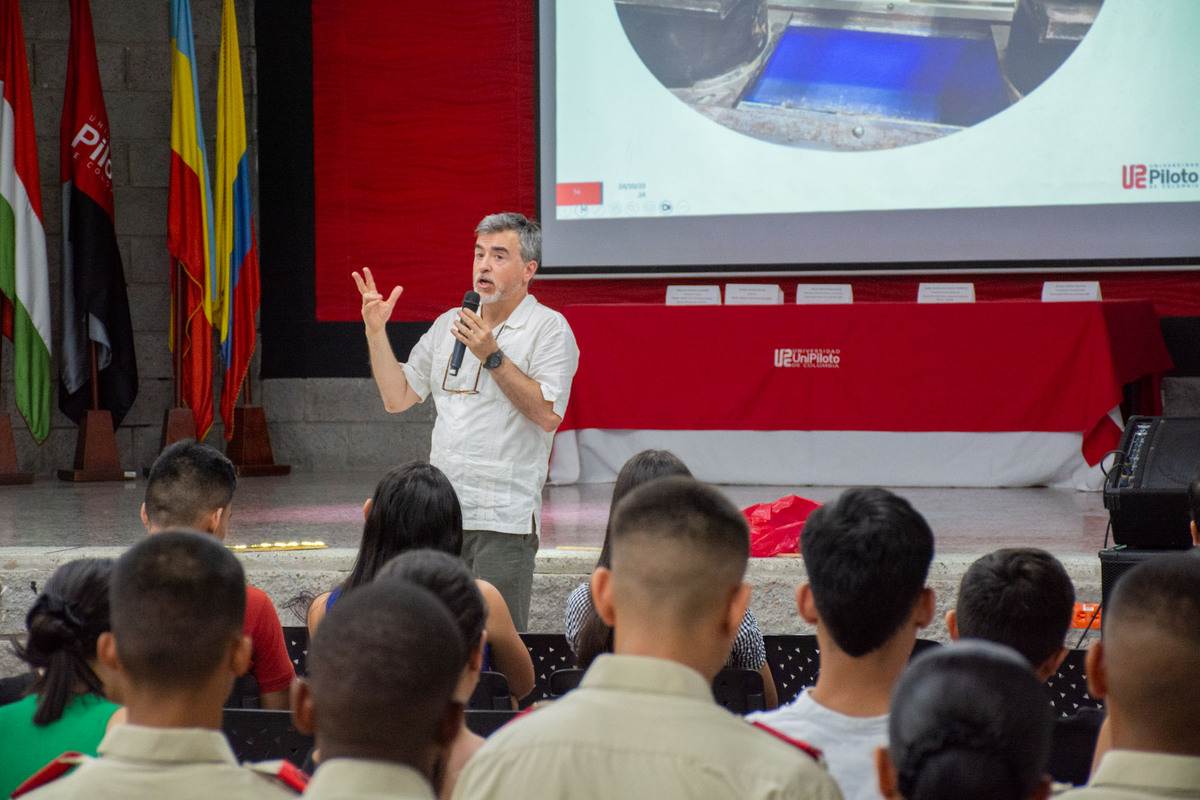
<point>969,720</point>
<point>66,620</point>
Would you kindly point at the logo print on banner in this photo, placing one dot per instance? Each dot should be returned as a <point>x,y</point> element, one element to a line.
<point>1160,176</point>
<point>808,357</point>
<point>100,159</point>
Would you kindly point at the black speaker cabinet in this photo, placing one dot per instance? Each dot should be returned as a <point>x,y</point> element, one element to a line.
<point>1146,491</point>
<point>1116,561</point>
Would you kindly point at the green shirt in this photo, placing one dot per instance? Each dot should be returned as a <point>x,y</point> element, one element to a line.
<point>29,747</point>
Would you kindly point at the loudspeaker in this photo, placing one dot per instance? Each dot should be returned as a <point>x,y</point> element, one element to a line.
<point>1146,490</point>
<point>1116,561</point>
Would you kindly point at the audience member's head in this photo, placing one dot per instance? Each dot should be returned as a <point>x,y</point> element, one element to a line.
<point>66,620</point>
<point>867,555</point>
<point>190,486</point>
<point>1146,665</point>
<point>414,507</point>
<point>382,671</point>
<point>674,588</point>
<point>967,721</point>
<point>178,600</point>
<point>1019,597</point>
<point>450,580</point>
<point>595,637</point>
<point>1193,496</point>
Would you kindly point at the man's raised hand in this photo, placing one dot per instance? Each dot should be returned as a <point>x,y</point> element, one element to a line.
<point>376,310</point>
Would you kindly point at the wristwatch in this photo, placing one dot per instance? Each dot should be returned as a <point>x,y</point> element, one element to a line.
<point>494,360</point>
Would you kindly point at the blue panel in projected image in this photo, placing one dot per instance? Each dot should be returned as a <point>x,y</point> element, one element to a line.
<point>946,80</point>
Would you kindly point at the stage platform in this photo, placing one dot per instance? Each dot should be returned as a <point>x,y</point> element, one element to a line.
<point>50,522</point>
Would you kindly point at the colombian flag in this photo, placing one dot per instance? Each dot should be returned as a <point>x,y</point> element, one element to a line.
<point>190,225</point>
<point>237,256</point>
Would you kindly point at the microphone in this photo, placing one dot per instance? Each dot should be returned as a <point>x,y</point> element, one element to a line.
<point>470,301</point>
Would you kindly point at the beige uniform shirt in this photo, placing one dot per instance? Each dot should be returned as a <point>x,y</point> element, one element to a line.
<point>1129,775</point>
<point>645,728</point>
<point>177,764</point>
<point>347,778</point>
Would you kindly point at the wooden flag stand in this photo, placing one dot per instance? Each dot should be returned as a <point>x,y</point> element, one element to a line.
<point>250,447</point>
<point>96,456</point>
<point>10,474</point>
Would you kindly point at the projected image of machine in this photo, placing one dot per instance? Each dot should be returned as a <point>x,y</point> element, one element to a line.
<point>853,74</point>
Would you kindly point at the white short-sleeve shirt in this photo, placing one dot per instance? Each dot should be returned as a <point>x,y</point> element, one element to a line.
<point>495,457</point>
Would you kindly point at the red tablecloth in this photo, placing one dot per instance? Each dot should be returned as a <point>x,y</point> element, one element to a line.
<point>982,367</point>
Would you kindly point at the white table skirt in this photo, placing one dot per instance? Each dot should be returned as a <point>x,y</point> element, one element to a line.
<point>837,458</point>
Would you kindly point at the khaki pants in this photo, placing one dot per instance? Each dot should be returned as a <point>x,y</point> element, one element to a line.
<point>506,561</point>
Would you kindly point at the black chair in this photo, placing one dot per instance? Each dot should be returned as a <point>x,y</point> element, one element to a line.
<point>245,693</point>
<point>564,680</point>
<point>486,722</point>
<point>1068,687</point>
<point>550,653</point>
<point>795,662</point>
<point>1073,744</point>
<point>491,693</point>
<point>296,639</point>
<point>739,690</point>
<point>258,735</point>
<point>14,688</point>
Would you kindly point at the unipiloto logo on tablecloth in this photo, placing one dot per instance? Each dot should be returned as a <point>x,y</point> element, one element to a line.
<point>808,357</point>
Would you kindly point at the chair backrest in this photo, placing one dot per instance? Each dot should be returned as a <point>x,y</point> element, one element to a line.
<point>296,639</point>
<point>1068,686</point>
<point>245,693</point>
<point>491,693</point>
<point>795,662</point>
<point>564,680</point>
<point>739,690</point>
<point>258,735</point>
<point>550,653</point>
<point>15,687</point>
<point>485,722</point>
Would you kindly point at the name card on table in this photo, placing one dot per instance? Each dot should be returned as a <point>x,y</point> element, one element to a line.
<point>693,295</point>
<point>815,294</point>
<point>1071,291</point>
<point>946,293</point>
<point>753,294</point>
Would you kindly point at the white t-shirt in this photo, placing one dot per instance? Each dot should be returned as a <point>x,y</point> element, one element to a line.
<point>495,458</point>
<point>849,743</point>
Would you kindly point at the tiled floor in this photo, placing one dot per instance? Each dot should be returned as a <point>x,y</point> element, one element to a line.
<point>327,506</point>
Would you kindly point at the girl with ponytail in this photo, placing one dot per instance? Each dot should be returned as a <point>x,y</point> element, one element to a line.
<point>968,720</point>
<point>66,708</point>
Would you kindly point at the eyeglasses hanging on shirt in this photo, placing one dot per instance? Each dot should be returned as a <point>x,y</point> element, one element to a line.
<point>459,383</point>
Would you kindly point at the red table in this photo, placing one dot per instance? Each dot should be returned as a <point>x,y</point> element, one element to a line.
<point>988,367</point>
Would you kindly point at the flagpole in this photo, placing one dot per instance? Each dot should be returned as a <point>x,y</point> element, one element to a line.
<point>10,473</point>
<point>177,330</point>
<point>179,422</point>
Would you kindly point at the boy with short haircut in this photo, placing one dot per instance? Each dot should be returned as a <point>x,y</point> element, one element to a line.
<point>1023,598</point>
<point>379,695</point>
<point>643,722</point>
<point>867,555</point>
<point>175,648</point>
<point>191,486</point>
<point>1145,670</point>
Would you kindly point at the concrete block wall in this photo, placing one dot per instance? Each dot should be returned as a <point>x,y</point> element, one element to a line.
<point>132,42</point>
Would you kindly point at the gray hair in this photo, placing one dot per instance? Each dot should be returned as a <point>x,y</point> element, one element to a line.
<point>528,231</point>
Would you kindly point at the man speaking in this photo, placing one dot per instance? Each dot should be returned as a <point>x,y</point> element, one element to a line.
<point>497,412</point>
